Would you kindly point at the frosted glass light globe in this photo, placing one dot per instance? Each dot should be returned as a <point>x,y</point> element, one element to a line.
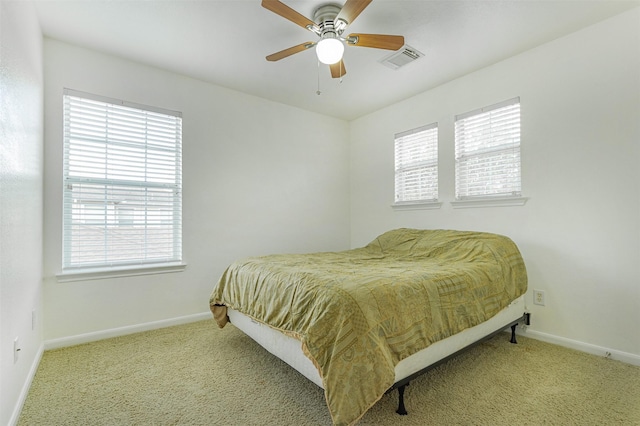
<point>329,50</point>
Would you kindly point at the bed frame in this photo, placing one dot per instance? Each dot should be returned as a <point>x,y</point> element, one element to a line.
<point>289,349</point>
<point>402,384</point>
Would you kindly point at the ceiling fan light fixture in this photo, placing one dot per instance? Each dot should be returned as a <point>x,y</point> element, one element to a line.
<point>329,50</point>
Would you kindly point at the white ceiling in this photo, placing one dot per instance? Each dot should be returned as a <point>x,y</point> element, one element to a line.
<point>225,42</point>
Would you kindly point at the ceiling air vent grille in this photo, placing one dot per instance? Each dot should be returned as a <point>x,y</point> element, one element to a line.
<point>402,57</point>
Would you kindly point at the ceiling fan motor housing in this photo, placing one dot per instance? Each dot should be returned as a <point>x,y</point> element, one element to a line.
<point>325,18</point>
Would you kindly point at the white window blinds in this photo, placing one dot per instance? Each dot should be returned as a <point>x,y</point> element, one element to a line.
<point>122,196</point>
<point>416,165</point>
<point>487,149</point>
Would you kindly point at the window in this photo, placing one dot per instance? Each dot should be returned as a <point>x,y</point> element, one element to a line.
<point>487,149</point>
<point>122,196</point>
<point>416,165</point>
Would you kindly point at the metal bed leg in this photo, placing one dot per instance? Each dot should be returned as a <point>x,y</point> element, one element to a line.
<point>401,410</point>
<point>513,333</point>
<point>526,320</point>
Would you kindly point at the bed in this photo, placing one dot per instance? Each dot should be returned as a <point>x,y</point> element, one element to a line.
<point>361,322</point>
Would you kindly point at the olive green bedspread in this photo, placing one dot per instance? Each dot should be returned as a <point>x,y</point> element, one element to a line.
<point>359,312</point>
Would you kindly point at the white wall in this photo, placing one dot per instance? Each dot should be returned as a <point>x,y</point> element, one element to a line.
<point>579,232</point>
<point>259,177</point>
<point>20,202</point>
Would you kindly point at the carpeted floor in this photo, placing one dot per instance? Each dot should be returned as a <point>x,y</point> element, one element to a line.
<point>197,374</point>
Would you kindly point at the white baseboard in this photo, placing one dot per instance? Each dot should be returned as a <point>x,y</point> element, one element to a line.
<point>626,357</point>
<point>122,331</point>
<point>15,416</point>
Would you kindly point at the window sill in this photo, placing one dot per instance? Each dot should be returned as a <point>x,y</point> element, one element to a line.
<point>424,205</point>
<point>490,202</point>
<point>118,272</point>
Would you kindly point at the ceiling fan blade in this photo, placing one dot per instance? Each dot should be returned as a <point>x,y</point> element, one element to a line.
<point>351,10</point>
<point>290,51</point>
<point>337,69</point>
<point>286,12</point>
<point>378,41</point>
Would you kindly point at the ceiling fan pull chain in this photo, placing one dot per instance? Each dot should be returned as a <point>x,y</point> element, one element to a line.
<point>318,92</point>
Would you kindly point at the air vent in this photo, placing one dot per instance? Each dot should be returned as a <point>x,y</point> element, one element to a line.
<point>402,57</point>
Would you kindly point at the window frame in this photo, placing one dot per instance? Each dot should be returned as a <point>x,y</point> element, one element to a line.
<point>170,209</point>
<point>430,161</point>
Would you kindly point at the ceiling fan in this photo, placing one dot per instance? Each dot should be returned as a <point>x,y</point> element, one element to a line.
<point>329,23</point>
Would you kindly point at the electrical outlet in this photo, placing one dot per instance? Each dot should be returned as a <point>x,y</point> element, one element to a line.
<point>16,349</point>
<point>538,297</point>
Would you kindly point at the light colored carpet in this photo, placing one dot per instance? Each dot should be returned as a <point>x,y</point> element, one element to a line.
<point>197,374</point>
